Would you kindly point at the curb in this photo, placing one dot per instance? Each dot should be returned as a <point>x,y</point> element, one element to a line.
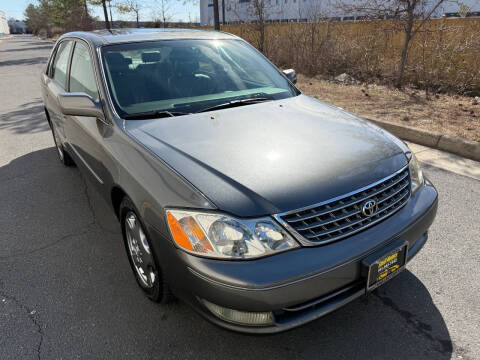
<point>455,145</point>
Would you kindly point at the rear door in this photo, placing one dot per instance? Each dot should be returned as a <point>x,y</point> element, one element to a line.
<point>55,82</point>
<point>86,135</point>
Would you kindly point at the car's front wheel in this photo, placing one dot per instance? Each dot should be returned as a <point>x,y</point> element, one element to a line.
<point>141,255</point>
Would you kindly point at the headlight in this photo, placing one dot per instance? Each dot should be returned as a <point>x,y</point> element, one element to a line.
<point>223,236</point>
<point>416,174</point>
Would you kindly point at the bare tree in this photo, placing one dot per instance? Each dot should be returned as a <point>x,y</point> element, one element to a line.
<point>316,40</point>
<point>261,11</point>
<point>163,11</point>
<point>131,6</point>
<point>405,14</point>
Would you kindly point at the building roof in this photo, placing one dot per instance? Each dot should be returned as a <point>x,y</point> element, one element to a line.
<point>114,36</point>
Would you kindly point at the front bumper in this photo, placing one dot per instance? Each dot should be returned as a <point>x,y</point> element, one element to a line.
<point>299,285</point>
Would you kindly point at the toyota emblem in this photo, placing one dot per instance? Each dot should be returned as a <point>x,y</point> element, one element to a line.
<point>369,208</point>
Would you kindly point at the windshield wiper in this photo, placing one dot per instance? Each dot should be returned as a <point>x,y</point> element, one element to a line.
<point>154,115</point>
<point>235,103</point>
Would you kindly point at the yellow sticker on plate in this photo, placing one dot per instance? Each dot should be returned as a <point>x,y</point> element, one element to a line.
<point>387,262</point>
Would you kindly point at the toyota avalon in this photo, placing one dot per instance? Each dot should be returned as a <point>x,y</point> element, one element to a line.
<point>258,205</point>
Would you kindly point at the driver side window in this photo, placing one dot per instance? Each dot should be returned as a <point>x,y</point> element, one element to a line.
<point>82,77</point>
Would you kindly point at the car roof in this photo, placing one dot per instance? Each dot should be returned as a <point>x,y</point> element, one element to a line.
<point>115,36</point>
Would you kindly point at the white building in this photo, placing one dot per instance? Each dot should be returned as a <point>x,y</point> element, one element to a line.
<point>3,24</point>
<point>298,10</point>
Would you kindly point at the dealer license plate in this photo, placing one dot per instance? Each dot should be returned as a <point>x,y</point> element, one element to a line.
<point>386,266</point>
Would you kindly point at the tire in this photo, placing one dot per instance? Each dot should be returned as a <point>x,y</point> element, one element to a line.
<point>141,256</point>
<point>63,156</point>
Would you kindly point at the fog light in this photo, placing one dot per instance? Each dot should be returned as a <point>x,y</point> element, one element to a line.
<point>240,317</point>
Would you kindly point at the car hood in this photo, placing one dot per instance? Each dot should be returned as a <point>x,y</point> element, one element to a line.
<point>272,157</point>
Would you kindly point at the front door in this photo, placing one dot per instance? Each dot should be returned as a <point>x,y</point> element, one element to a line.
<point>87,135</point>
<point>56,83</point>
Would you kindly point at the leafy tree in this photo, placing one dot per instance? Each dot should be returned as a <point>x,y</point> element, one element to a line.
<point>37,17</point>
<point>69,14</point>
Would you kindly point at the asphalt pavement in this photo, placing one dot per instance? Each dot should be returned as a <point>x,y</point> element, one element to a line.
<point>66,289</point>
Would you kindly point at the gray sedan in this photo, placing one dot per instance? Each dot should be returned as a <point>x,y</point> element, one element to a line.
<point>261,207</point>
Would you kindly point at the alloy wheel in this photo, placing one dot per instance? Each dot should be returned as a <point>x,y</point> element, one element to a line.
<point>139,251</point>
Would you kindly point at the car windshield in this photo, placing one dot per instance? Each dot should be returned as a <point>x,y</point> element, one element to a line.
<point>187,76</point>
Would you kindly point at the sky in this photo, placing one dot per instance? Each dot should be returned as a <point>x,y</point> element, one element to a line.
<point>178,9</point>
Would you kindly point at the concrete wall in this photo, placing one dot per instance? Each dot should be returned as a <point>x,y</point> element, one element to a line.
<point>3,24</point>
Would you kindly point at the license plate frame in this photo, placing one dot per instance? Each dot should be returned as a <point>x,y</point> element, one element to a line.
<point>385,264</point>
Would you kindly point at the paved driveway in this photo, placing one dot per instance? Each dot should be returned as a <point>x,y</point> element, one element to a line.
<point>66,289</point>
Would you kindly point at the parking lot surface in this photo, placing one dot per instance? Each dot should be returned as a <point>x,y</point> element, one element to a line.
<point>67,291</point>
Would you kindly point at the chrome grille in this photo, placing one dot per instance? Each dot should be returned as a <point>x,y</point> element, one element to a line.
<point>341,217</point>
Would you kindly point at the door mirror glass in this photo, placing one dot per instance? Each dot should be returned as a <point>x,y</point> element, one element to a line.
<point>291,75</point>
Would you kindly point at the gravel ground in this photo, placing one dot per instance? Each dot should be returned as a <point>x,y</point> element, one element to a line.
<point>446,114</point>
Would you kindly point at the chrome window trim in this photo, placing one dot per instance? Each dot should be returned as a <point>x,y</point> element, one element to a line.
<point>305,242</point>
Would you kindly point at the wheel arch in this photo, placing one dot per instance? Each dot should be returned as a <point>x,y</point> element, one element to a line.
<point>116,195</point>
<point>48,116</point>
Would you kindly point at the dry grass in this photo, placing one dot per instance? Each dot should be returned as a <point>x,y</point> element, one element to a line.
<point>446,114</point>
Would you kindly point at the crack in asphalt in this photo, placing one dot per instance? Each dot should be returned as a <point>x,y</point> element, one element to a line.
<point>31,313</point>
<point>421,328</point>
<point>49,245</point>
<point>90,227</point>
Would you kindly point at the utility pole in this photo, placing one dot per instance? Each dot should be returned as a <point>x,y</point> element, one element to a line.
<point>110,9</point>
<point>223,12</point>
<point>216,15</point>
<point>107,23</point>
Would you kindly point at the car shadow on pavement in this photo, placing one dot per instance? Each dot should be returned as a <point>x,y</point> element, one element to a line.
<point>28,48</point>
<point>53,219</point>
<point>36,42</point>
<point>29,61</point>
<point>397,321</point>
<point>26,118</point>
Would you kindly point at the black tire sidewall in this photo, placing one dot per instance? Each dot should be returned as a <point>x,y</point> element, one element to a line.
<point>67,160</point>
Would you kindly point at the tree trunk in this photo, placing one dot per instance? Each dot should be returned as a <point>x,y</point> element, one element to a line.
<point>107,23</point>
<point>262,37</point>
<point>85,20</point>
<point>138,22</point>
<point>406,43</point>
<point>216,15</point>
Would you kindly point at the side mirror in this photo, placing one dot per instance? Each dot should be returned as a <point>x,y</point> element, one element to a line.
<point>291,75</point>
<point>79,104</point>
